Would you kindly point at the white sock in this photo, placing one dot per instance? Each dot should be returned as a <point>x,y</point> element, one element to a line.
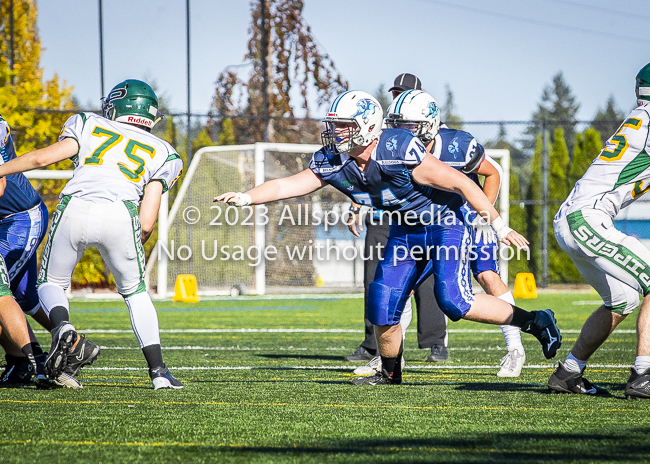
<point>511,333</point>
<point>642,363</point>
<point>51,295</point>
<point>574,364</point>
<point>407,316</point>
<point>144,319</point>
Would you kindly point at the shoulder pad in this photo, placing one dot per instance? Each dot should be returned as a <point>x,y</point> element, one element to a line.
<point>476,157</point>
<point>398,147</point>
<point>321,163</point>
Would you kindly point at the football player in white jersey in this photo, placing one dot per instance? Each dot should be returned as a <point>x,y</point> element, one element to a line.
<point>119,165</point>
<point>615,264</point>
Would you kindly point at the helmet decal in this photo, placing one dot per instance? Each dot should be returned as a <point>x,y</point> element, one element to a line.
<point>433,110</point>
<point>116,94</point>
<point>365,108</point>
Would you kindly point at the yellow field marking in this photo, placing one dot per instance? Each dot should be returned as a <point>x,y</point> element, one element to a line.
<point>307,405</point>
<point>310,446</point>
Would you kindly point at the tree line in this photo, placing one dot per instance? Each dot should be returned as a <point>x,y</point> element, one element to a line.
<point>284,71</point>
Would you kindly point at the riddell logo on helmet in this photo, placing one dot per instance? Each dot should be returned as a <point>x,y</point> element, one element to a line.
<point>141,121</point>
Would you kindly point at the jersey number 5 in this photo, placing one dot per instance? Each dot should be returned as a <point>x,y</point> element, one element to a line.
<point>131,147</point>
<point>620,140</point>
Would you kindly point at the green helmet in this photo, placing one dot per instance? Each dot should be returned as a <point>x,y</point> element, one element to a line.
<point>133,102</point>
<point>643,84</point>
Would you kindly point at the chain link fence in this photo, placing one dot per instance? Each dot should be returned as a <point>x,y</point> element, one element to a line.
<point>547,157</point>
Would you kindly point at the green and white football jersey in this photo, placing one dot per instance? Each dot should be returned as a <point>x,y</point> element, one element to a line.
<point>116,160</point>
<point>621,172</point>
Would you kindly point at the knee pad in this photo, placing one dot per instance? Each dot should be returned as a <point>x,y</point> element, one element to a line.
<point>453,306</point>
<point>385,304</point>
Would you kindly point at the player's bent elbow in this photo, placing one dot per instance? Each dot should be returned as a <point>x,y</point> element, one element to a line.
<point>40,160</point>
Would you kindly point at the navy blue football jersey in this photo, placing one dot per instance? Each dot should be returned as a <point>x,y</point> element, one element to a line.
<point>19,194</point>
<point>387,183</point>
<point>458,149</point>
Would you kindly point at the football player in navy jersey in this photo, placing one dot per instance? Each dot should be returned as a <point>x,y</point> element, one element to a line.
<point>418,112</point>
<point>23,222</point>
<point>392,170</point>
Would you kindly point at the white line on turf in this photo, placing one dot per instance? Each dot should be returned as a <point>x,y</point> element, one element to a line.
<point>317,349</point>
<point>347,367</point>
<point>117,331</point>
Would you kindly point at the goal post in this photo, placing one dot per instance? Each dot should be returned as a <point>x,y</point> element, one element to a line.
<point>503,157</point>
<point>193,235</point>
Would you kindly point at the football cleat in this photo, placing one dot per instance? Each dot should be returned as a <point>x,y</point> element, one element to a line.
<point>373,367</point>
<point>18,372</point>
<point>162,378</point>
<point>638,385</point>
<point>544,328</point>
<point>381,378</point>
<point>360,355</point>
<point>512,363</point>
<point>439,353</point>
<point>82,353</point>
<point>63,337</point>
<point>566,381</point>
<point>43,383</point>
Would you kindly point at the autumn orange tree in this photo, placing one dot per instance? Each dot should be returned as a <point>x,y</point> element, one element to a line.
<point>283,47</point>
<point>36,109</point>
<point>283,56</point>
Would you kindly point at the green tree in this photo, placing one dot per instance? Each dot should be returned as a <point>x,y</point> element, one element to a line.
<point>586,149</point>
<point>227,133</point>
<point>558,108</point>
<point>534,210</point>
<point>517,222</point>
<point>607,120</point>
<point>449,115</point>
<point>559,263</point>
<point>383,97</point>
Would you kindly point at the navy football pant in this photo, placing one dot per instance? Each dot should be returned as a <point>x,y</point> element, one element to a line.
<point>431,322</point>
<point>412,254</point>
<point>20,235</point>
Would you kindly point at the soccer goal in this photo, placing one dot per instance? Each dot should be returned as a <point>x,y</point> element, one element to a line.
<point>295,245</point>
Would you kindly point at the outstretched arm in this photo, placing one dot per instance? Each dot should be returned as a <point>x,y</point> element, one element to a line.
<point>35,159</point>
<point>434,173</point>
<point>277,189</point>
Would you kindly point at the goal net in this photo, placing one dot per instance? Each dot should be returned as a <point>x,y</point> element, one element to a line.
<point>294,245</point>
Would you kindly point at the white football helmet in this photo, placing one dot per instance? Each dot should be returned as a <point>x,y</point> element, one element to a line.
<point>416,111</point>
<point>353,120</point>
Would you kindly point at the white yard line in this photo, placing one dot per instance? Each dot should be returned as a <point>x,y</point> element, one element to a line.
<point>346,367</point>
<point>318,349</point>
<point>119,331</point>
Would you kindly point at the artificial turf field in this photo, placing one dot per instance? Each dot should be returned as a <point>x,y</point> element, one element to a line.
<point>265,381</point>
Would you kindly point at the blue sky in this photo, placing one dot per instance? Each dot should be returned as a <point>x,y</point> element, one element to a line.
<point>495,55</point>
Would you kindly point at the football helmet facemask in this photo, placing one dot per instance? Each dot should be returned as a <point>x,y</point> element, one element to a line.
<point>132,102</point>
<point>415,111</point>
<point>353,120</point>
